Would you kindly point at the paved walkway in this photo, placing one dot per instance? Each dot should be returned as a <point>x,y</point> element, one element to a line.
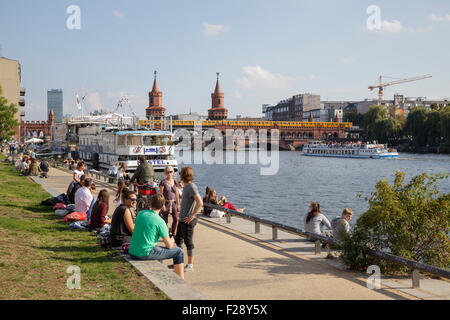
<point>234,263</point>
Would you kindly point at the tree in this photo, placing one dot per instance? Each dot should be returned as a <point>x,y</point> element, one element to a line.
<point>7,118</point>
<point>410,221</point>
<point>445,125</point>
<point>379,126</point>
<point>375,114</point>
<point>416,125</point>
<point>433,127</point>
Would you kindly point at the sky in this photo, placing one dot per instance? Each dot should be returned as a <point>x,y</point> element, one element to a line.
<point>265,51</point>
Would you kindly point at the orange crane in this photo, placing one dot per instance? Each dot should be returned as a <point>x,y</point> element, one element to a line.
<point>382,85</point>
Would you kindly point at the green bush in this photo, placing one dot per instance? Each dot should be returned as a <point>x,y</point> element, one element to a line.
<point>410,221</point>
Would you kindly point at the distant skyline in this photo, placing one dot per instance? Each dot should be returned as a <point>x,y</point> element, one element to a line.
<point>265,51</point>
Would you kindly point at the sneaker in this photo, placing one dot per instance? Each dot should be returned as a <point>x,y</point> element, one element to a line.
<point>189,267</point>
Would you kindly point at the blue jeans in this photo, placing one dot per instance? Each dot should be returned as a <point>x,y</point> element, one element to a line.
<point>161,253</point>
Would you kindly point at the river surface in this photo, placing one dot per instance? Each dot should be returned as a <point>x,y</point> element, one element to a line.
<point>333,182</point>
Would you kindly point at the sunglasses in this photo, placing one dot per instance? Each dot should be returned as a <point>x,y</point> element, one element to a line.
<point>133,199</point>
<point>169,171</point>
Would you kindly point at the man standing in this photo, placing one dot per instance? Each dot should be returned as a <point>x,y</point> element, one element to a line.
<point>144,173</point>
<point>83,196</point>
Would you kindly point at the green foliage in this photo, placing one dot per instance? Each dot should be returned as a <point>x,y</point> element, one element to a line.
<point>7,120</point>
<point>379,126</point>
<point>355,118</point>
<point>445,124</point>
<point>410,221</point>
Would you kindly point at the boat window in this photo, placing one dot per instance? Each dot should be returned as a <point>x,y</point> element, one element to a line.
<point>148,140</point>
<point>134,140</point>
<point>121,140</point>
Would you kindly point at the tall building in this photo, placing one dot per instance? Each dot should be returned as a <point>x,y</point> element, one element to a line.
<point>55,103</point>
<point>217,110</point>
<point>155,108</point>
<point>292,109</point>
<point>10,77</point>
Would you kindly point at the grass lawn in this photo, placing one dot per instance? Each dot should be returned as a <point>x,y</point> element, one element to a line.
<point>37,247</point>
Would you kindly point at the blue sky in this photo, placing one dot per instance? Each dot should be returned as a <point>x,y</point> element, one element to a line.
<point>264,50</point>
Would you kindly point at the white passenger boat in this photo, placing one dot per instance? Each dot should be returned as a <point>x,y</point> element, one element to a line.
<point>349,150</point>
<point>102,147</point>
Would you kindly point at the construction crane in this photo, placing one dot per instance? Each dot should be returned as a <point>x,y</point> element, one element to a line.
<point>382,85</point>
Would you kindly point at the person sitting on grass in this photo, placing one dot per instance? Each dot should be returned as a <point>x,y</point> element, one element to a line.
<point>340,225</point>
<point>34,168</point>
<point>122,225</point>
<point>99,217</point>
<point>83,196</point>
<point>73,188</point>
<point>148,229</point>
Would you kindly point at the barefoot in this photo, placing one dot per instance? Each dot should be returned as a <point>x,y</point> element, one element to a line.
<point>242,210</point>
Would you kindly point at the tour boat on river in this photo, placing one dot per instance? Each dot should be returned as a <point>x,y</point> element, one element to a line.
<point>349,150</point>
<point>102,147</point>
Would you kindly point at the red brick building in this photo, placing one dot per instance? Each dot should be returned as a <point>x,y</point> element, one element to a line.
<point>218,110</point>
<point>38,129</point>
<point>155,108</point>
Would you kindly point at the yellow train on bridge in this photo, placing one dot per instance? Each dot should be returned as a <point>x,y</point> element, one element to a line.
<point>248,124</point>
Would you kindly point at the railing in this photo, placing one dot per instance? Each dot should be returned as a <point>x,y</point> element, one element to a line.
<point>415,266</point>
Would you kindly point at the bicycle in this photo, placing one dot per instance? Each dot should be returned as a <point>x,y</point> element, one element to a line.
<point>145,193</point>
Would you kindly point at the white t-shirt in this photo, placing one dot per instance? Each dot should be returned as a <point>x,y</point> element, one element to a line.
<point>79,173</point>
<point>83,199</point>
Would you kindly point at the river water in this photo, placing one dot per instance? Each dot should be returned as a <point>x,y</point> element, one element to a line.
<point>333,182</point>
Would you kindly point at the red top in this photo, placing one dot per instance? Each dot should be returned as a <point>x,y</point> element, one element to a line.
<point>98,216</point>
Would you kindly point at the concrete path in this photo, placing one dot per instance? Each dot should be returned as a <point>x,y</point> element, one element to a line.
<point>234,263</point>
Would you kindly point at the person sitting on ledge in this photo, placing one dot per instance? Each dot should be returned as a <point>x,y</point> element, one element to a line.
<point>148,229</point>
<point>212,198</point>
<point>315,219</point>
<point>340,225</point>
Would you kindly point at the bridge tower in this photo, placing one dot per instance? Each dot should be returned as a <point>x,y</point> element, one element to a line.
<point>155,108</point>
<point>218,110</point>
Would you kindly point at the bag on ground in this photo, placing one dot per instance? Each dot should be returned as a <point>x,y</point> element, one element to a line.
<point>75,216</point>
<point>216,214</point>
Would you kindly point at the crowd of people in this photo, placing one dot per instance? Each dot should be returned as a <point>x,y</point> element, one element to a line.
<point>28,165</point>
<point>139,232</point>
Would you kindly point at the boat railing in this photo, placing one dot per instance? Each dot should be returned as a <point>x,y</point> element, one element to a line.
<point>415,266</point>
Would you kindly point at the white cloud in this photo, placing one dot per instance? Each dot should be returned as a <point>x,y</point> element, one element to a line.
<point>437,18</point>
<point>213,29</point>
<point>118,14</point>
<point>255,77</point>
<point>424,29</point>
<point>391,26</point>
<point>311,77</point>
<point>347,60</point>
